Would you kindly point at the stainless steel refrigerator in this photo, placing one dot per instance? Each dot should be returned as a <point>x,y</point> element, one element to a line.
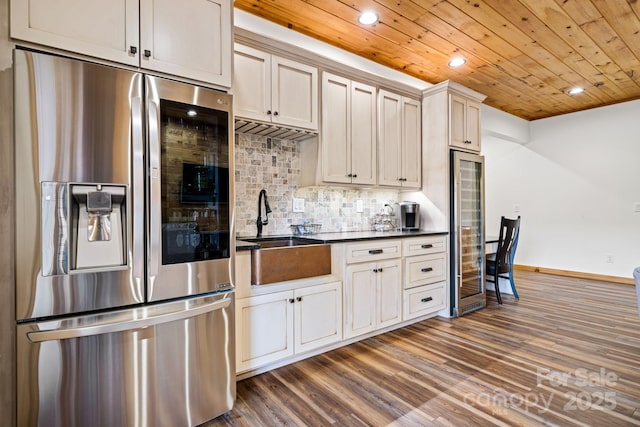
<point>124,247</point>
<point>467,227</point>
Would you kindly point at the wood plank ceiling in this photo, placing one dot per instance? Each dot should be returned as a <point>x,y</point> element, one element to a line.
<point>523,54</point>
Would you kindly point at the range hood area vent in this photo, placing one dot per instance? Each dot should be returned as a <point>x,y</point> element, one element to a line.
<point>272,131</point>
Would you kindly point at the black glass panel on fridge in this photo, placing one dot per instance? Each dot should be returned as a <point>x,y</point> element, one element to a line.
<point>194,183</point>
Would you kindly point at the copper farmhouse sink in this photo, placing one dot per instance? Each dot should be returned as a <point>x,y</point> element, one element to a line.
<point>282,259</point>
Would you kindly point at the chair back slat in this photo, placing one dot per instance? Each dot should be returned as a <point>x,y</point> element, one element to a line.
<point>507,243</point>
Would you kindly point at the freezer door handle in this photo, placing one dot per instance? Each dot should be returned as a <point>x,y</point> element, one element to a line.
<point>143,321</point>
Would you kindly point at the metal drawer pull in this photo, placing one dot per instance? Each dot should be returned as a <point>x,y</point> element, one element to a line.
<point>291,300</point>
<point>426,269</point>
<point>429,246</point>
<point>375,251</point>
<point>427,299</point>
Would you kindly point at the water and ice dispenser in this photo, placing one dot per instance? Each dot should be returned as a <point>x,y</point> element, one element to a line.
<point>83,227</point>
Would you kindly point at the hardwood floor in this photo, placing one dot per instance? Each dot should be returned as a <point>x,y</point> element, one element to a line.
<point>567,354</point>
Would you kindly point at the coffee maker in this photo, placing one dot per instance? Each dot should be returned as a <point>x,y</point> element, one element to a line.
<point>408,214</point>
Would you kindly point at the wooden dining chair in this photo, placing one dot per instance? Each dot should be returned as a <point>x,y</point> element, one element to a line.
<point>500,264</point>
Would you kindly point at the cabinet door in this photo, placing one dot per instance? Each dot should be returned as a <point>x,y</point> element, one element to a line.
<point>360,304</point>
<point>390,139</point>
<point>189,38</point>
<point>318,316</point>
<point>411,143</point>
<point>473,125</point>
<point>252,83</point>
<point>90,27</point>
<point>264,329</point>
<point>363,134</point>
<point>294,89</point>
<point>457,121</point>
<point>389,293</point>
<point>336,129</point>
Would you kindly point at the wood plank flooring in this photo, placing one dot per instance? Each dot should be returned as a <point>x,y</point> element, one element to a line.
<point>566,354</point>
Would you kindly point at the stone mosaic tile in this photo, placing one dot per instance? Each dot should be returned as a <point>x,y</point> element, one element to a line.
<point>274,165</point>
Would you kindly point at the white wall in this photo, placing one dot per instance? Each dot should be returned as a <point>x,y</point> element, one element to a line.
<point>575,181</point>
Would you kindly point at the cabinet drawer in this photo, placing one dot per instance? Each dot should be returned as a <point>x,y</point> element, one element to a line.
<point>425,269</point>
<point>424,300</point>
<point>373,251</point>
<point>424,245</point>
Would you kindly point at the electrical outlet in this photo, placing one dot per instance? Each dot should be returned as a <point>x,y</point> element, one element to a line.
<point>359,206</point>
<point>516,208</point>
<point>609,258</point>
<point>298,204</point>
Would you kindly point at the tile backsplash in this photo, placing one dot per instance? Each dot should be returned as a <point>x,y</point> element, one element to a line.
<point>274,164</point>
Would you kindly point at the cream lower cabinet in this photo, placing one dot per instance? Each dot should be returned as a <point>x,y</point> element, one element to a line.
<point>425,280</point>
<point>191,38</point>
<point>373,296</point>
<point>274,326</point>
<point>373,286</point>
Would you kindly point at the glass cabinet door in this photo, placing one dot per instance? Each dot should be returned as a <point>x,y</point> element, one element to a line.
<point>471,267</point>
<point>194,159</point>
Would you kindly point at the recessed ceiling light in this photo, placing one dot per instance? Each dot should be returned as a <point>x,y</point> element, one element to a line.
<point>576,90</point>
<point>457,62</point>
<point>368,17</point>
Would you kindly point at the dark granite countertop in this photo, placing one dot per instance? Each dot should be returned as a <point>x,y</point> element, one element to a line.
<point>341,237</point>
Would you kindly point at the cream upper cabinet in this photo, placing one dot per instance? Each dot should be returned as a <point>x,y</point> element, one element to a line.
<point>399,145</point>
<point>276,90</point>
<point>190,39</point>
<point>464,123</point>
<point>348,131</point>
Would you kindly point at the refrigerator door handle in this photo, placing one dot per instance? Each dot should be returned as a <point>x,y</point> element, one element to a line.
<point>155,226</point>
<point>458,227</point>
<point>137,235</point>
<point>129,324</point>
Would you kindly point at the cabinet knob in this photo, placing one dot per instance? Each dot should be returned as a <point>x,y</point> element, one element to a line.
<point>268,112</point>
<point>133,50</point>
<point>275,113</point>
<point>299,299</point>
<point>355,175</point>
<point>375,270</point>
<point>291,300</point>
<point>350,175</point>
<point>380,270</point>
<point>147,53</point>
<point>427,299</point>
